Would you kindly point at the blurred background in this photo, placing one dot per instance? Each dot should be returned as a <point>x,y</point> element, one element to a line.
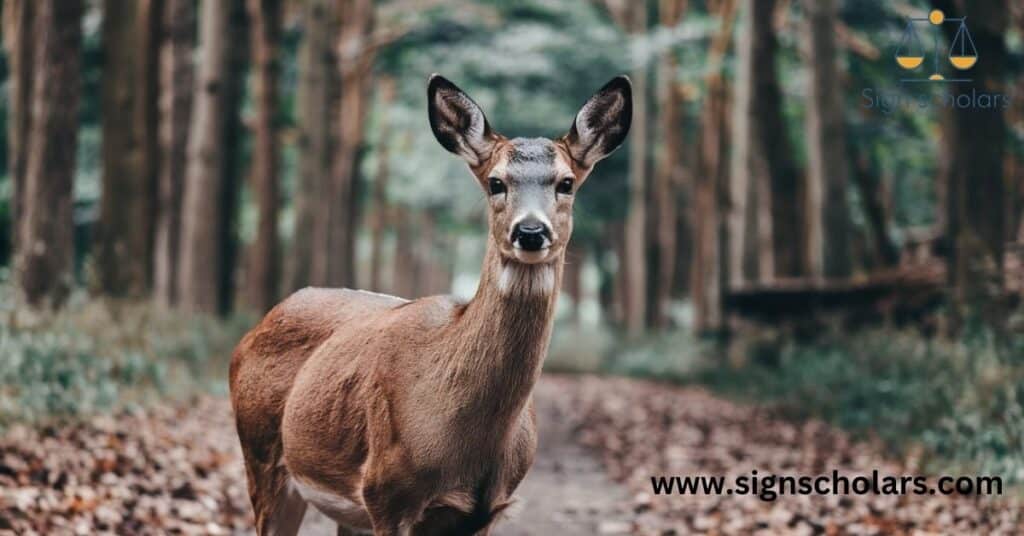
<point>802,216</point>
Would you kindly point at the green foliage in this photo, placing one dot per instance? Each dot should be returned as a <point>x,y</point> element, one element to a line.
<point>100,356</point>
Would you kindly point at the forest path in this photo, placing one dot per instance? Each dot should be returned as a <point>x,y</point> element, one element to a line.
<point>178,469</point>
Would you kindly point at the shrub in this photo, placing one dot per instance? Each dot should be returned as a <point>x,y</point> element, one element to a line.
<point>96,356</point>
<point>961,400</point>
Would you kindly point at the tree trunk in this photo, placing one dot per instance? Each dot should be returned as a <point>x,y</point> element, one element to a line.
<point>976,189</point>
<point>176,85</point>
<point>709,272</point>
<point>425,254</point>
<point>872,195</point>
<point>684,223</point>
<point>206,256</point>
<point>619,283</point>
<point>1016,174</point>
<point>1014,169</point>
<point>748,175</point>
<point>231,143</point>
<point>325,210</point>
<point>380,185</point>
<point>19,43</point>
<point>318,86</point>
<point>355,54</point>
<point>667,175</point>
<point>355,196</point>
<point>264,274</point>
<point>125,227</point>
<point>442,269</point>
<point>200,245</point>
<point>828,238</point>
<point>946,152</point>
<point>1020,205</point>
<point>762,154</point>
<point>572,278</point>
<point>147,122</point>
<point>46,248</point>
<point>635,258</point>
<point>404,259</point>
<point>608,295</point>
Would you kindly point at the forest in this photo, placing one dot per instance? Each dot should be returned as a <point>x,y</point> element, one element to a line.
<point>819,211</point>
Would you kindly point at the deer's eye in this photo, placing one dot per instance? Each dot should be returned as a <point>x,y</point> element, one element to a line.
<point>564,186</point>
<point>496,186</point>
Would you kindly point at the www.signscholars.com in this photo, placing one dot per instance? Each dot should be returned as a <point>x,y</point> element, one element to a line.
<point>770,487</point>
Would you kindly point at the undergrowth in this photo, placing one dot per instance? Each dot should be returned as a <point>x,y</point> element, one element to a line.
<point>100,355</point>
<point>962,401</point>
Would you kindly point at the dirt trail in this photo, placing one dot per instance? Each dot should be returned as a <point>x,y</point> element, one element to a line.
<point>178,470</point>
<point>566,492</point>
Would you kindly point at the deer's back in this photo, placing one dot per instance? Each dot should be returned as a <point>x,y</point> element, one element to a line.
<point>266,361</point>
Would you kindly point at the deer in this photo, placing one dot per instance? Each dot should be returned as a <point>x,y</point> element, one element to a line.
<point>415,417</point>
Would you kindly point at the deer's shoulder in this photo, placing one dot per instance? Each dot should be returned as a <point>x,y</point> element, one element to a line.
<point>335,306</point>
<point>425,314</point>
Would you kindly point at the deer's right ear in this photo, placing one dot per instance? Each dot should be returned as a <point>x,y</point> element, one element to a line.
<point>458,123</point>
<point>603,122</point>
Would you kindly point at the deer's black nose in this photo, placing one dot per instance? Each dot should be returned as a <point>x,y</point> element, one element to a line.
<point>531,235</point>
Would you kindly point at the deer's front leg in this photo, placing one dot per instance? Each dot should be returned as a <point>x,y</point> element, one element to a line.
<point>391,491</point>
<point>391,495</point>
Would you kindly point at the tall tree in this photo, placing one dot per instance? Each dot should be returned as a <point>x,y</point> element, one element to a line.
<point>378,219</point>
<point>749,229</point>
<point>572,278</point>
<point>707,278</point>
<point>232,136</point>
<point>426,254</point>
<point>44,259</point>
<point>176,85</point>
<point>204,273</point>
<point>1014,169</point>
<point>828,229</point>
<point>669,172</point>
<point>355,59</point>
<point>632,282</point>
<point>19,44</point>
<point>265,33</point>
<point>317,90</point>
<point>130,48</point>
<point>762,165</point>
<point>872,193</point>
<point>976,188</point>
<point>405,266</point>
<point>635,257</point>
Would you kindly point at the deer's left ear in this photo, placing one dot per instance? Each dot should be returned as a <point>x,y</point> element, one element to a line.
<point>603,122</point>
<point>458,123</point>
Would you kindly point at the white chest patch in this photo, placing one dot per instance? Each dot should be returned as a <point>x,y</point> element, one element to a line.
<point>341,509</point>
<point>518,279</point>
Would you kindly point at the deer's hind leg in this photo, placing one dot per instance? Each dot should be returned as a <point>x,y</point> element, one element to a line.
<point>278,506</point>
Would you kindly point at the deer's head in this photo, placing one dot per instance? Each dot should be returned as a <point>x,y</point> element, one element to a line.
<point>530,184</point>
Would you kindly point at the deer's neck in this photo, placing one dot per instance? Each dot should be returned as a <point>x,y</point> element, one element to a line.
<point>504,333</point>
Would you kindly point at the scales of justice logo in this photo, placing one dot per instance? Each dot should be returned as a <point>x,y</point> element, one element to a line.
<point>911,54</point>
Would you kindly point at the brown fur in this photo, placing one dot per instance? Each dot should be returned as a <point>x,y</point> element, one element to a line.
<point>405,416</point>
<point>400,406</point>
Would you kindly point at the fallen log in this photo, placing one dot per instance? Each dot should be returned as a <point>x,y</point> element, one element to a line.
<point>899,294</point>
<point>908,293</point>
